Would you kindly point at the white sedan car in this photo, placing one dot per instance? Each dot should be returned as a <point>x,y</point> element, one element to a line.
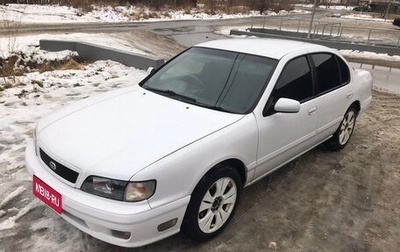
<point>136,165</point>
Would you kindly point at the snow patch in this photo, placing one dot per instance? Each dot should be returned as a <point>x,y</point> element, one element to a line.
<point>29,45</point>
<point>12,196</point>
<point>370,55</point>
<point>10,222</point>
<point>62,14</point>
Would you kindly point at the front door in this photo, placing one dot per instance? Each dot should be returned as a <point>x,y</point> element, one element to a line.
<point>286,135</point>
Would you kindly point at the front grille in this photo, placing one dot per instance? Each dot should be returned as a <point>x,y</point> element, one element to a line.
<point>58,168</point>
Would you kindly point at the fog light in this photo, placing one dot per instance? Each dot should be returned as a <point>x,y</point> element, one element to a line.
<point>166,225</point>
<point>120,234</point>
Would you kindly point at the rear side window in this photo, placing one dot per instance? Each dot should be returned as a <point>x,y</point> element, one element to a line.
<point>344,71</point>
<point>295,81</point>
<point>331,72</point>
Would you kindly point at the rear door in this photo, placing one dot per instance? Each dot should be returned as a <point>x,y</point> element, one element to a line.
<point>334,94</point>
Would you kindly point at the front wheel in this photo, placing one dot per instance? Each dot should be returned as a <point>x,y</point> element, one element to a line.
<point>345,130</point>
<point>213,203</point>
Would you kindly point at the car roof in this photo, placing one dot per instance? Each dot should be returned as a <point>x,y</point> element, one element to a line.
<point>271,48</point>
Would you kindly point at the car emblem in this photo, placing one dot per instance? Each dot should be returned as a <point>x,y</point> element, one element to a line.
<point>52,165</point>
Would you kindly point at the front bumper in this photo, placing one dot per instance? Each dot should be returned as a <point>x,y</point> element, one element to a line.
<point>120,223</point>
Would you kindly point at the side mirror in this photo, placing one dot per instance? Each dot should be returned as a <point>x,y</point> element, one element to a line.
<point>286,105</point>
<point>150,70</point>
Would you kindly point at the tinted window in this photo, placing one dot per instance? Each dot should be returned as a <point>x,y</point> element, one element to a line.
<point>295,81</point>
<point>327,71</point>
<point>344,71</point>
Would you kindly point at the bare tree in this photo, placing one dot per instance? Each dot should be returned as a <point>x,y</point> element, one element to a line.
<point>212,6</point>
<point>185,3</point>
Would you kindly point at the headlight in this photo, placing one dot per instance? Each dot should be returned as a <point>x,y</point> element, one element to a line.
<point>137,191</point>
<point>118,189</point>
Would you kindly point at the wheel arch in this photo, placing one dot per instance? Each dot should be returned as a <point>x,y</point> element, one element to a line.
<point>236,164</point>
<point>240,168</point>
<point>334,143</point>
<point>356,105</point>
<point>189,226</point>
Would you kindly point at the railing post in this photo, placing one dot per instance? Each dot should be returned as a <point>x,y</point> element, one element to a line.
<point>369,35</point>
<point>398,41</point>
<point>323,26</point>
<point>316,29</point>
<point>298,27</point>
<point>340,33</point>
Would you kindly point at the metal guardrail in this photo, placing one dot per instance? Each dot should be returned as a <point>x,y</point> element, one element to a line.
<point>324,26</point>
<point>339,45</point>
<point>299,25</point>
<point>333,31</point>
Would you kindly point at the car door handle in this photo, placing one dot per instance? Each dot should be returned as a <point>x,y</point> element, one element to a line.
<point>312,110</point>
<point>349,95</point>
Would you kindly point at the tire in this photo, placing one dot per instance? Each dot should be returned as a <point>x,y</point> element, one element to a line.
<point>213,203</point>
<point>343,134</point>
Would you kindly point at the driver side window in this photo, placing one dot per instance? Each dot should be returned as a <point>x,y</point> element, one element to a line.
<point>295,82</point>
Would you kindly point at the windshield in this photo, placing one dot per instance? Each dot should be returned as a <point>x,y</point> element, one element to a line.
<point>216,79</point>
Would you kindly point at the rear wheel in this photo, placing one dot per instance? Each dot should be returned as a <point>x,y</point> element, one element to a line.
<point>213,203</point>
<point>343,134</point>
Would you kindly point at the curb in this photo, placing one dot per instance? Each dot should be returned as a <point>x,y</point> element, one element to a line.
<point>93,52</point>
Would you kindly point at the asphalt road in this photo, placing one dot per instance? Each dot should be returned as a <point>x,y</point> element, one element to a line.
<point>186,32</point>
<point>190,32</point>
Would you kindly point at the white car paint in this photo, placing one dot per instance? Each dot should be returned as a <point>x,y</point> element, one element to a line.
<point>137,135</point>
<point>120,131</point>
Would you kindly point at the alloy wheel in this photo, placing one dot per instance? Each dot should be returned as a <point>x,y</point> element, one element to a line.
<point>217,205</point>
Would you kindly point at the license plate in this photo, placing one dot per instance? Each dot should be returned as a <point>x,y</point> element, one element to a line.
<point>47,194</point>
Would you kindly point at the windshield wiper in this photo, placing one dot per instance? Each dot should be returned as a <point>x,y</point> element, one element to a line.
<point>172,94</point>
<point>213,107</point>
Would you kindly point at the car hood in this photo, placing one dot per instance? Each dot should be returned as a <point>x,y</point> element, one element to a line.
<point>118,135</point>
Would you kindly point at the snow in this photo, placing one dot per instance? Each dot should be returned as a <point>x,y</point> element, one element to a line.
<point>10,222</point>
<point>40,93</point>
<point>12,195</point>
<point>322,6</point>
<point>29,44</point>
<point>370,55</point>
<point>35,94</point>
<point>20,14</point>
<point>19,112</point>
<point>58,14</point>
<point>24,104</point>
<point>365,17</point>
<point>62,14</point>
